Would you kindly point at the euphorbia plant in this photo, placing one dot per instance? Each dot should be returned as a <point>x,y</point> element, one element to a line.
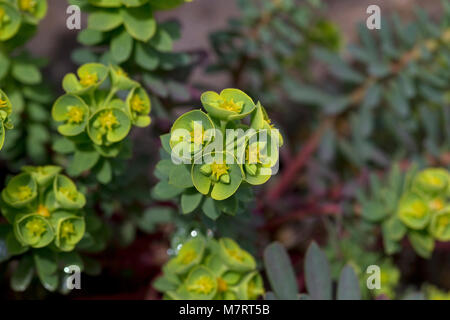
<point>43,209</point>
<point>126,33</point>
<point>95,120</point>
<point>238,156</point>
<point>21,79</point>
<point>5,111</point>
<point>415,206</point>
<point>207,269</point>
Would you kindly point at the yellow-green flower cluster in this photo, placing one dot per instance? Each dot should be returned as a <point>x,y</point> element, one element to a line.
<point>5,111</point>
<point>92,111</point>
<point>420,210</point>
<point>218,153</point>
<point>44,209</point>
<point>209,269</point>
<point>433,293</point>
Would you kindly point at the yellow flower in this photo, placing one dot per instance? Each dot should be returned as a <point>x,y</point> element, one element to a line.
<point>198,134</point>
<point>235,254</point>
<point>108,120</point>
<point>187,256</point>
<point>88,79</point>
<point>24,192</point>
<point>137,104</point>
<point>2,15</point>
<point>230,105</point>
<point>203,285</point>
<point>219,169</point>
<point>69,193</point>
<point>3,103</point>
<point>36,227</point>
<point>75,115</point>
<point>418,209</point>
<point>67,229</point>
<point>43,211</point>
<point>122,73</point>
<point>27,5</point>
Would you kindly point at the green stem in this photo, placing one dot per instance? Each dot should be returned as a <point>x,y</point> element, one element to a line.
<point>110,96</point>
<point>93,101</point>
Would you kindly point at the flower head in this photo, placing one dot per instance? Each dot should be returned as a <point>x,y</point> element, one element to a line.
<point>219,169</point>
<point>36,227</point>
<point>67,230</point>
<point>23,193</point>
<point>88,79</point>
<point>230,105</point>
<point>202,285</point>
<point>137,104</point>
<point>27,5</point>
<point>75,115</point>
<point>108,120</point>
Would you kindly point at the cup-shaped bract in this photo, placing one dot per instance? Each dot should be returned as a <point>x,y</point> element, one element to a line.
<point>90,76</point>
<point>5,111</point>
<point>190,133</point>
<point>259,157</point>
<point>20,190</point>
<point>66,193</point>
<point>43,175</point>
<point>121,80</point>
<point>251,287</point>
<point>108,126</point>
<point>139,106</point>
<point>33,10</point>
<point>236,258</point>
<point>10,21</point>
<point>190,254</point>
<point>230,104</point>
<point>200,284</point>
<point>431,181</point>
<point>440,225</point>
<point>220,178</point>
<point>73,112</point>
<point>69,229</point>
<point>413,211</point>
<point>33,230</point>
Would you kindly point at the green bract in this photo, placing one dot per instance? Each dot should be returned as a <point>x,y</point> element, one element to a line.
<point>90,76</point>
<point>231,104</point>
<point>206,269</point>
<point>416,206</point>
<point>216,156</point>
<point>43,206</point>
<point>10,20</point>
<point>5,111</point>
<point>33,10</point>
<point>219,179</point>
<point>97,114</point>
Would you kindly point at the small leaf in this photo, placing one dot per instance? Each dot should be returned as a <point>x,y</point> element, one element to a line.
<point>190,200</point>
<point>104,20</point>
<point>23,275</point>
<point>210,210</point>
<point>317,273</point>
<point>139,22</point>
<point>348,286</point>
<point>121,47</point>
<point>82,161</point>
<point>280,272</point>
